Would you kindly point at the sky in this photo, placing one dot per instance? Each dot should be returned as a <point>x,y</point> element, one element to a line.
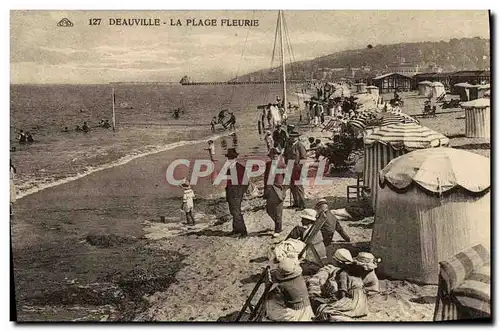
<point>43,53</point>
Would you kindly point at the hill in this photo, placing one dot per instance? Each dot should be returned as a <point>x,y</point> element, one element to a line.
<point>454,55</point>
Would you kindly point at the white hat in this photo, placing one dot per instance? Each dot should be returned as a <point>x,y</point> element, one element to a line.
<point>343,255</point>
<point>309,214</point>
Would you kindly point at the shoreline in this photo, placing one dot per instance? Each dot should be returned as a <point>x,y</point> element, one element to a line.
<point>132,155</point>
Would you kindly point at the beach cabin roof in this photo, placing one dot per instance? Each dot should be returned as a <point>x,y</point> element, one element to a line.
<point>478,103</point>
<point>438,170</point>
<point>390,74</point>
<point>466,85</point>
<point>406,135</point>
<point>482,87</point>
<point>371,87</point>
<point>437,84</point>
<point>425,82</point>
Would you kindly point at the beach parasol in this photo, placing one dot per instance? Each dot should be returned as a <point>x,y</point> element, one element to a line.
<point>374,119</point>
<point>439,170</point>
<point>393,117</point>
<point>406,135</point>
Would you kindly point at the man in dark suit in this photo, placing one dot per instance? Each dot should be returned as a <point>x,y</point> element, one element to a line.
<point>274,192</point>
<point>297,152</point>
<point>235,192</point>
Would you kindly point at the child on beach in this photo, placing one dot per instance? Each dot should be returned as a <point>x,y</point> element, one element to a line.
<point>269,140</point>
<point>211,149</point>
<point>187,202</point>
<point>212,123</point>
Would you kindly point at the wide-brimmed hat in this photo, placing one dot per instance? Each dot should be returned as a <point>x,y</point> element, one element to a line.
<point>309,214</point>
<point>274,151</point>
<point>268,133</point>
<point>342,255</point>
<point>210,141</point>
<point>231,152</point>
<point>321,202</point>
<point>367,260</point>
<point>294,134</point>
<point>288,269</point>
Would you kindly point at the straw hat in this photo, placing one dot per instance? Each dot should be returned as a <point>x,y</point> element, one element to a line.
<point>342,255</point>
<point>309,214</point>
<point>366,260</point>
<point>231,153</point>
<point>321,202</point>
<point>288,269</point>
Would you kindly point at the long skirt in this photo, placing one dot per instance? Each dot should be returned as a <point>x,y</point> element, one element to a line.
<point>276,311</point>
<point>356,305</point>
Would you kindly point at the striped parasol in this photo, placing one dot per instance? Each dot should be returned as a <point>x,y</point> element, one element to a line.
<point>393,117</point>
<point>406,135</point>
<point>373,119</point>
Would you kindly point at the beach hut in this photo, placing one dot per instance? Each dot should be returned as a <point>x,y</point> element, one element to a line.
<point>430,207</point>
<point>463,90</point>
<point>388,142</point>
<point>481,89</point>
<point>477,118</point>
<point>373,90</point>
<point>360,87</point>
<point>437,89</point>
<point>424,88</point>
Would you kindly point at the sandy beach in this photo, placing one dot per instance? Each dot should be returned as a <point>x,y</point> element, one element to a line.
<point>103,254</point>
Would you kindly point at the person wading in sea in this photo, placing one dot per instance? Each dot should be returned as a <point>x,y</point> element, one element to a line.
<point>273,189</point>
<point>297,152</point>
<point>235,193</point>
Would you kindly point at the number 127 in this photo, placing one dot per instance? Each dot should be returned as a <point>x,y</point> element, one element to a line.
<point>94,21</point>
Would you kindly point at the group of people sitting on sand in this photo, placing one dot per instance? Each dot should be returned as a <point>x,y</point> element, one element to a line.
<point>85,128</point>
<point>25,138</point>
<point>337,291</point>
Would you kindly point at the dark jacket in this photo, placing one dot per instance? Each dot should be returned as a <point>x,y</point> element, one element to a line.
<point>280,138</point>
<point>240,171</point>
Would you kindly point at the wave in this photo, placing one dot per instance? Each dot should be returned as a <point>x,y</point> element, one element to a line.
<point>121,161</point>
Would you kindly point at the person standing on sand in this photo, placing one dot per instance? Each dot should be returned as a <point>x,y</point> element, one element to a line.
<point>13,196</point>
<point>21,138</point>
<point>274,190</point>
<point>297,152</point>
<point>211,149</point>
<point>280,137</point>
<point>187,202</point>
<point>235,193</point>
<point>212,123</point>
<point>269,141</point>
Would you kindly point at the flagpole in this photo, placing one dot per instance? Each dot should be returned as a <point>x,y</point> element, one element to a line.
<point>113,118</point>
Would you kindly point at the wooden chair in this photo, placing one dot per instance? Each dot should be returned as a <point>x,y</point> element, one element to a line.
<point>308,240</point>
<point>256,312</point>
<point>354,191</point>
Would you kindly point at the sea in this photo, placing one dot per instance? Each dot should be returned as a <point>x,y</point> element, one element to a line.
<point>144,120</point>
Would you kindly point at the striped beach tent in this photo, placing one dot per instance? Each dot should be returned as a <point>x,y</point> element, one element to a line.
<point>431,204</point>
<point>477,118</point>
<point>393,117</point>
<point>388,142</point>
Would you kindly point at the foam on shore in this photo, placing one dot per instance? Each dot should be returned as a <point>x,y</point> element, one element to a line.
<point>121,161</point>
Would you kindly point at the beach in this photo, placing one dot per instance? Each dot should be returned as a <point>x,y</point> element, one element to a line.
<point>93,248</point>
